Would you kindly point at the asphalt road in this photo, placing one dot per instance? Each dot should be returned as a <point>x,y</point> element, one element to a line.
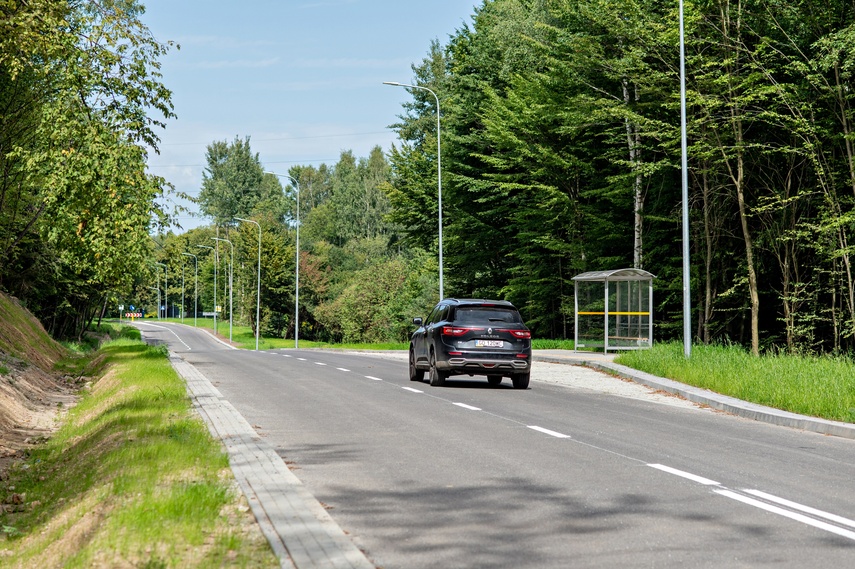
<point>470,475</point>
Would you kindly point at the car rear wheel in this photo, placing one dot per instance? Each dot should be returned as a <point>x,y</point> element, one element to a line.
<point>494,379</point>
<point>416,374</point>
<point>437,378</point>
<point>521,380</point>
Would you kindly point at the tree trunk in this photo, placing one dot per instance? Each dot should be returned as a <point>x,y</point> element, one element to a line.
<point>633,139</point>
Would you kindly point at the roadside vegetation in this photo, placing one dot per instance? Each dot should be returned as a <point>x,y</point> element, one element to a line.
<point>244,337</point>
<point>818,386</point>
<point>131,478</point>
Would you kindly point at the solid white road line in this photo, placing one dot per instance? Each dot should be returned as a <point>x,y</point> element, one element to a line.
<point>169,329</point>
<point>687,475</point>
<point>548,432</point>
<point>465,406</point>
<point>787,514</point>
<point>802,508</point>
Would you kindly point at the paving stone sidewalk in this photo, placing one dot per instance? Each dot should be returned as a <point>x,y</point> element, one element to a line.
<point>299,529</point>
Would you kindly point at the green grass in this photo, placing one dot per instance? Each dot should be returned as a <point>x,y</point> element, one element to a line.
<point>540,344</point>
<point>815,386</point>
<point>132,478</point>
<point>244,337</point>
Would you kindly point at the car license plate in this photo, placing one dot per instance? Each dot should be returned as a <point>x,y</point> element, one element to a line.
<point>489,343</point>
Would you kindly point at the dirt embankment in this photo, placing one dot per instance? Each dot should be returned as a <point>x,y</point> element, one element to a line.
<point>32,393</point>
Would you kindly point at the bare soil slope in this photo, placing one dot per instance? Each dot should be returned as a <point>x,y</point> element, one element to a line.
<point>31,393</point>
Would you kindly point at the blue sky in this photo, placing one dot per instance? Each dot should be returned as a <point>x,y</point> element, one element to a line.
<point>302,78</point>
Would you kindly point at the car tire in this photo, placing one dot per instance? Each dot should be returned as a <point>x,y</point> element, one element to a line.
<point>437,378</point>
<point>494,379</point>
<point>416,374</point>
<point>521,381</point>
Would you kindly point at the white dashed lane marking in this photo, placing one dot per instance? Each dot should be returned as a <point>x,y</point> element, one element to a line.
<point>548,432</point>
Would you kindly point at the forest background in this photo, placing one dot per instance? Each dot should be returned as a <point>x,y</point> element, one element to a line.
<point>560,154</point>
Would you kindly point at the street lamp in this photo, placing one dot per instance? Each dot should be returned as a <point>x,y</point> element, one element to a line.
<point>438,169</point>
<point>216,262</point>
<point>297,264</point>
<point>687,298</point>
<point>258,280</point>
<point>165,289</point>
<point>231,272</point>
<point>195,289</point>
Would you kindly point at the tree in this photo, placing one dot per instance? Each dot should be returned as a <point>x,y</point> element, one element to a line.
<point>233,183</point>
<point>81,92</point>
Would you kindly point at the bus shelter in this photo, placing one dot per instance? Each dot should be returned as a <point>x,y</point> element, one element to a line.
<point>614,310</point>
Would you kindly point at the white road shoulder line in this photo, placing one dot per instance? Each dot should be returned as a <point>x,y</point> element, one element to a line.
<point>787,514</point>
<point>802,508</point>
<point>465,406</point>
<point>548,432</point>
<point>170,330</point>
<point>687,475</point>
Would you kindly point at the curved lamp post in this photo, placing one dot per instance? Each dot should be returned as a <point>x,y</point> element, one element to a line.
<point>216,262</point>
<point>438,170</point>
<point>297,264</point>
<point>258,281</point>
<point>231,273</point>
<point>687,297</point>
<point>195,289</point>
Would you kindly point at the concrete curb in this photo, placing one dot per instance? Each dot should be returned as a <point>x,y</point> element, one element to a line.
<point>710,398</point>
<point>299,529</point>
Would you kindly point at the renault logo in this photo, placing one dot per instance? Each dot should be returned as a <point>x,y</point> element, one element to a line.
<point>489,330</point>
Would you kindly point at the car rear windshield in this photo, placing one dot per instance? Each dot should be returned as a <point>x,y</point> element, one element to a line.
<point>486,315</point>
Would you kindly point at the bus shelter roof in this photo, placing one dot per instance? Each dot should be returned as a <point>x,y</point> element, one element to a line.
<point>616,275</point>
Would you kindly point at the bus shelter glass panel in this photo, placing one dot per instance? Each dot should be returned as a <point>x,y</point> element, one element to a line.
<point>590,324</point>
<point>629,315</point>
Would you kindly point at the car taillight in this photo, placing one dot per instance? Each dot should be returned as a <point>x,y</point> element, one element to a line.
<point>521,334</point>
<point>452,331</point>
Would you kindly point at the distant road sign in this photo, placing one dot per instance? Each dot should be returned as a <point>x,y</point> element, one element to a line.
<point>131,307</point>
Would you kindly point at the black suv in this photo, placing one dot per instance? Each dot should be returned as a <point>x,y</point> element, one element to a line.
<point>469,337</point>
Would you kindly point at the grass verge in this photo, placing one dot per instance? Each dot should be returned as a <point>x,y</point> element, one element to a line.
<point>816,386</point>
<point>244,338</point>
<point>132,478</point>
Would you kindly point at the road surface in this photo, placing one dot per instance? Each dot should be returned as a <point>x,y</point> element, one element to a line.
<point>566,474</point>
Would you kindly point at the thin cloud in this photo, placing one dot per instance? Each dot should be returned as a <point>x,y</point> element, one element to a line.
<point>350,63</point>
<point>239,63</point>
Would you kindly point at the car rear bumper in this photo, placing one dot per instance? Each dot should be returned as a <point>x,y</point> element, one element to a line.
<point>458,364</point>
